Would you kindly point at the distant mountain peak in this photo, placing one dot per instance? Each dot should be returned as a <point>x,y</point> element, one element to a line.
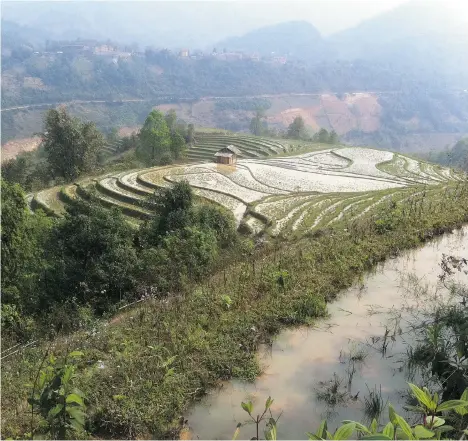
<point>294,38</point>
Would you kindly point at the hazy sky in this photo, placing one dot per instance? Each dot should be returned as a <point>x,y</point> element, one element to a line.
<point>327,15</point>
<point>196,23</point>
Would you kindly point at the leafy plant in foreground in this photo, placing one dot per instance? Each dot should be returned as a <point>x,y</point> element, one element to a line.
<point>56,399</point>
<point>432,427</point>
<point>270,425</point>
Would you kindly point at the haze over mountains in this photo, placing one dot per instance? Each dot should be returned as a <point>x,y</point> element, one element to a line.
<point>200,25</point>
<point>413,57</point>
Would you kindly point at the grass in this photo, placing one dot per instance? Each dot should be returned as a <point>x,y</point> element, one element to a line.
<point>210,342</point>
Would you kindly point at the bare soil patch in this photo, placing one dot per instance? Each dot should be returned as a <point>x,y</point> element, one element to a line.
<point>13,148</point>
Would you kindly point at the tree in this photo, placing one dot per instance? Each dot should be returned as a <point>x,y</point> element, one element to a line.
<point>23,237</point>
<point>333,137</point>
<point>190,134</point>
<point>92,258</point>
<point>171,119</point>
<point>14,214</point>
<point>257,125</point>
<point>177,145</point>
<point>155,138</point>
<point>323,135</point>
<point>71,146</point>
<point>296,129</point>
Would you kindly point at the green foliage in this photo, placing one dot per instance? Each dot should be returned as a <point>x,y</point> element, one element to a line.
<point>154,138</point>
<point>92,258</point>
<point>162,138</point>
<point>58,401</point>
<point>177,145</point>
<point>258,127</point>
<point>171,119</point>
<point>210,341</point>
<point>398,428</point>
<point>187,239</point>
<point>270,422</point>
<point>457,156</point>
<point>23,238</point>
<point>71,147</point>
<point>325,137</point>
<point>296,130</point>
<point>28,169</point>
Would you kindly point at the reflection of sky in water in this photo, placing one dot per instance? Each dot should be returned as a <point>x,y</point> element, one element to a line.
<point>299,359</point>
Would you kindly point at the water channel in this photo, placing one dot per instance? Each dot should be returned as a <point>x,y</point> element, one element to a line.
<point>302,362</point>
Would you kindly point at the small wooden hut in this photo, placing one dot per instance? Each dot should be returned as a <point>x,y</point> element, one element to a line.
<point>227,155</point>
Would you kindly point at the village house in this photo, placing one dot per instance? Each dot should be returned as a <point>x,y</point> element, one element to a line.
<point>227,155</point>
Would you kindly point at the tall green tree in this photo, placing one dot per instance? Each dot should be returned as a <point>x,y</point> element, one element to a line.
<point>171,120</point>
<point>23,237</point>
<point>177,145</point>
<point>333,137</point>
<point>257,123</point>
<point>323,135</point>
<point>190,134</point>
<point>71,146</point>
<point>155,139</point>
<point>296,130</point>
<point>92,257</point>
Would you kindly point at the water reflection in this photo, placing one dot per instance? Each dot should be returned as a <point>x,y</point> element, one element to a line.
<point>362,341</point>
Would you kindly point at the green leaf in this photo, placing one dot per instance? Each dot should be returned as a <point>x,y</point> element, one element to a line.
<point>314,437</point>
<point>404,426</point>
<point>248,407</point>
<point>464,396</point>
<point>359,427</point>
<point>451,404</point>
<point>74,398</point>
<point>77,414</point>
<point>345,431</point>
<point>268,403</point>
<point>66,377</point>
<point>55,410</point>
<point>374,426</point>
<point>271,434</point>
<point>392,415</point>
<point>377,436</point>
<point>423,398</point>
<point>416,409</point>
<point>463,410</point>
<point>76,354</point>
<point>322,430</point>
<point>389,430</point>
<point>422,433</point>
<point>435,422</point>
<point>76,425</point>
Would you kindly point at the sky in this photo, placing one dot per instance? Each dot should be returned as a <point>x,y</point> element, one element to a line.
<point>328,16</point>
<point>197,23</point>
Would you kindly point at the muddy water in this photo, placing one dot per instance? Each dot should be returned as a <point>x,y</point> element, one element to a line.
<point>302,361</point>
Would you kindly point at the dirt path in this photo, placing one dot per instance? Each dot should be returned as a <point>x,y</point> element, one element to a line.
<point>205,98</point>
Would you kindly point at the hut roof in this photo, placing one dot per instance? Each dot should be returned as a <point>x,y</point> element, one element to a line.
<point>224,154</point>
<point>234,149</point>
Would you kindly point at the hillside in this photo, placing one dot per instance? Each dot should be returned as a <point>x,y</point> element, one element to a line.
<point>299,40</point>
<point>408,123</point>
<point>287,194</point>
<point>165,310</point>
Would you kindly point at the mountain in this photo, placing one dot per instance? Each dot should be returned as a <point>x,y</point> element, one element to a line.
<point>298,39</point>
<point>426,37</point>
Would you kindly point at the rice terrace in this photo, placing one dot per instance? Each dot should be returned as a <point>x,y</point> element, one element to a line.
<point>274,187</point>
